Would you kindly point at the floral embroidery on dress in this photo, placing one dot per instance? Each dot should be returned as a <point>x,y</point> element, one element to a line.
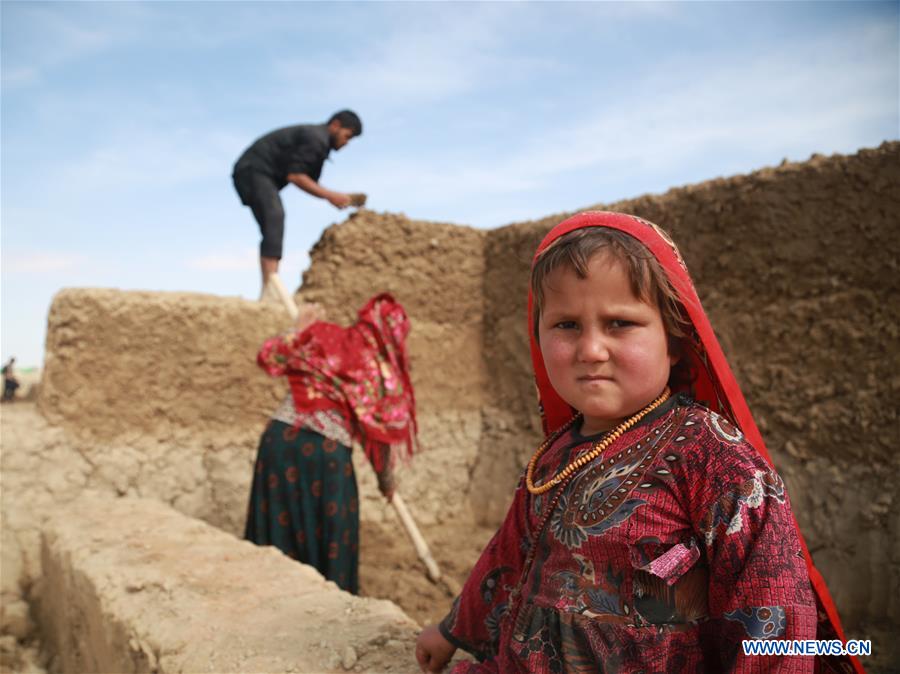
<point>361,372</point>
<point>584,593</point>
<point>728,510</point>
<point>761,622</point>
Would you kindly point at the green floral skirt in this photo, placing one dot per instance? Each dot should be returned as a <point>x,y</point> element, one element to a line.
<point>304,501</point>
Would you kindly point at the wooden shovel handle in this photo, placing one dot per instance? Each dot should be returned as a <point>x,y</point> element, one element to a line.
<point>416,537</point>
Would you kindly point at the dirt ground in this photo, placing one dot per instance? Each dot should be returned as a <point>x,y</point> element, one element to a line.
<point>390,568</point>
<point>20,647</point>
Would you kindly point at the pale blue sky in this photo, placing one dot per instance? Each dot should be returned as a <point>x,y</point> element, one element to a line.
<point>121,120</point>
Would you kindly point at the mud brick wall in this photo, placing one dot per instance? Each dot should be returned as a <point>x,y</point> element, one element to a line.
<point>131,585</point>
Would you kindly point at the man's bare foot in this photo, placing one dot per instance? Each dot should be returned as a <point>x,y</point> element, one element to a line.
<point>268,294</point>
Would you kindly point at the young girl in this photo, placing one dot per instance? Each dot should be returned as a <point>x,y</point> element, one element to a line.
<point>347,384</point>
<point>650,532</point>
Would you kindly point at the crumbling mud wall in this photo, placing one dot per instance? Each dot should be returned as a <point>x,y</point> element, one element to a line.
<point>131,585</point>
<point>127,364</point>
<point>797,267</point>
<point>161,394</point>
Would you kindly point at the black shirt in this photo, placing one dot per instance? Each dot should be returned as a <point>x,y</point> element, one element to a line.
<point>293,149</point>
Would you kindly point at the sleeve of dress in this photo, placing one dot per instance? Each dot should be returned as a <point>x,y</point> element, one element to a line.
<point>298,350</point>
<point>758,583</point>
<point>473,623</point>
<point>275,353</point>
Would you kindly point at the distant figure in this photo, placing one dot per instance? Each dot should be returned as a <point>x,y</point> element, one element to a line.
<point>348,385</point>
<point>10,383</point>
<point>294,154</point>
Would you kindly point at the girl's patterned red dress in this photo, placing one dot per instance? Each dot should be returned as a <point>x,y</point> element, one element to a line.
<point>661,555</point>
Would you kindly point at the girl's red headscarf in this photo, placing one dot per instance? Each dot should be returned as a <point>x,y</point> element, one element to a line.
<point>713,382</point>
<point>361,371</point>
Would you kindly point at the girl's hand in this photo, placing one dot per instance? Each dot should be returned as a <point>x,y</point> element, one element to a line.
<point>433,651</point>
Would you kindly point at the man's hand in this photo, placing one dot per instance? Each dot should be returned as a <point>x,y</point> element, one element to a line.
<point>339,200</point>
<point>310,186</point>
<point>433,651</point>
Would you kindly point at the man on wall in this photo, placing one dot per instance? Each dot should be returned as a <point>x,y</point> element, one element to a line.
<point>294,154</point>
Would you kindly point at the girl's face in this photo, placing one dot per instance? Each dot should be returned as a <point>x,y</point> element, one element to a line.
<point>605,350</point>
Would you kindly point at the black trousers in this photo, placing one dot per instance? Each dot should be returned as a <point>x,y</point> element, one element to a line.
<point>261,194</point>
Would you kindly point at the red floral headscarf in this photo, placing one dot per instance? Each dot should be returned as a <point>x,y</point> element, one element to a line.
<point>361,371</point>
<point>713,383</point>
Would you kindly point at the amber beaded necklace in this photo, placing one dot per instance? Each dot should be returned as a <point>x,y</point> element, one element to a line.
<point>597,450</point>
